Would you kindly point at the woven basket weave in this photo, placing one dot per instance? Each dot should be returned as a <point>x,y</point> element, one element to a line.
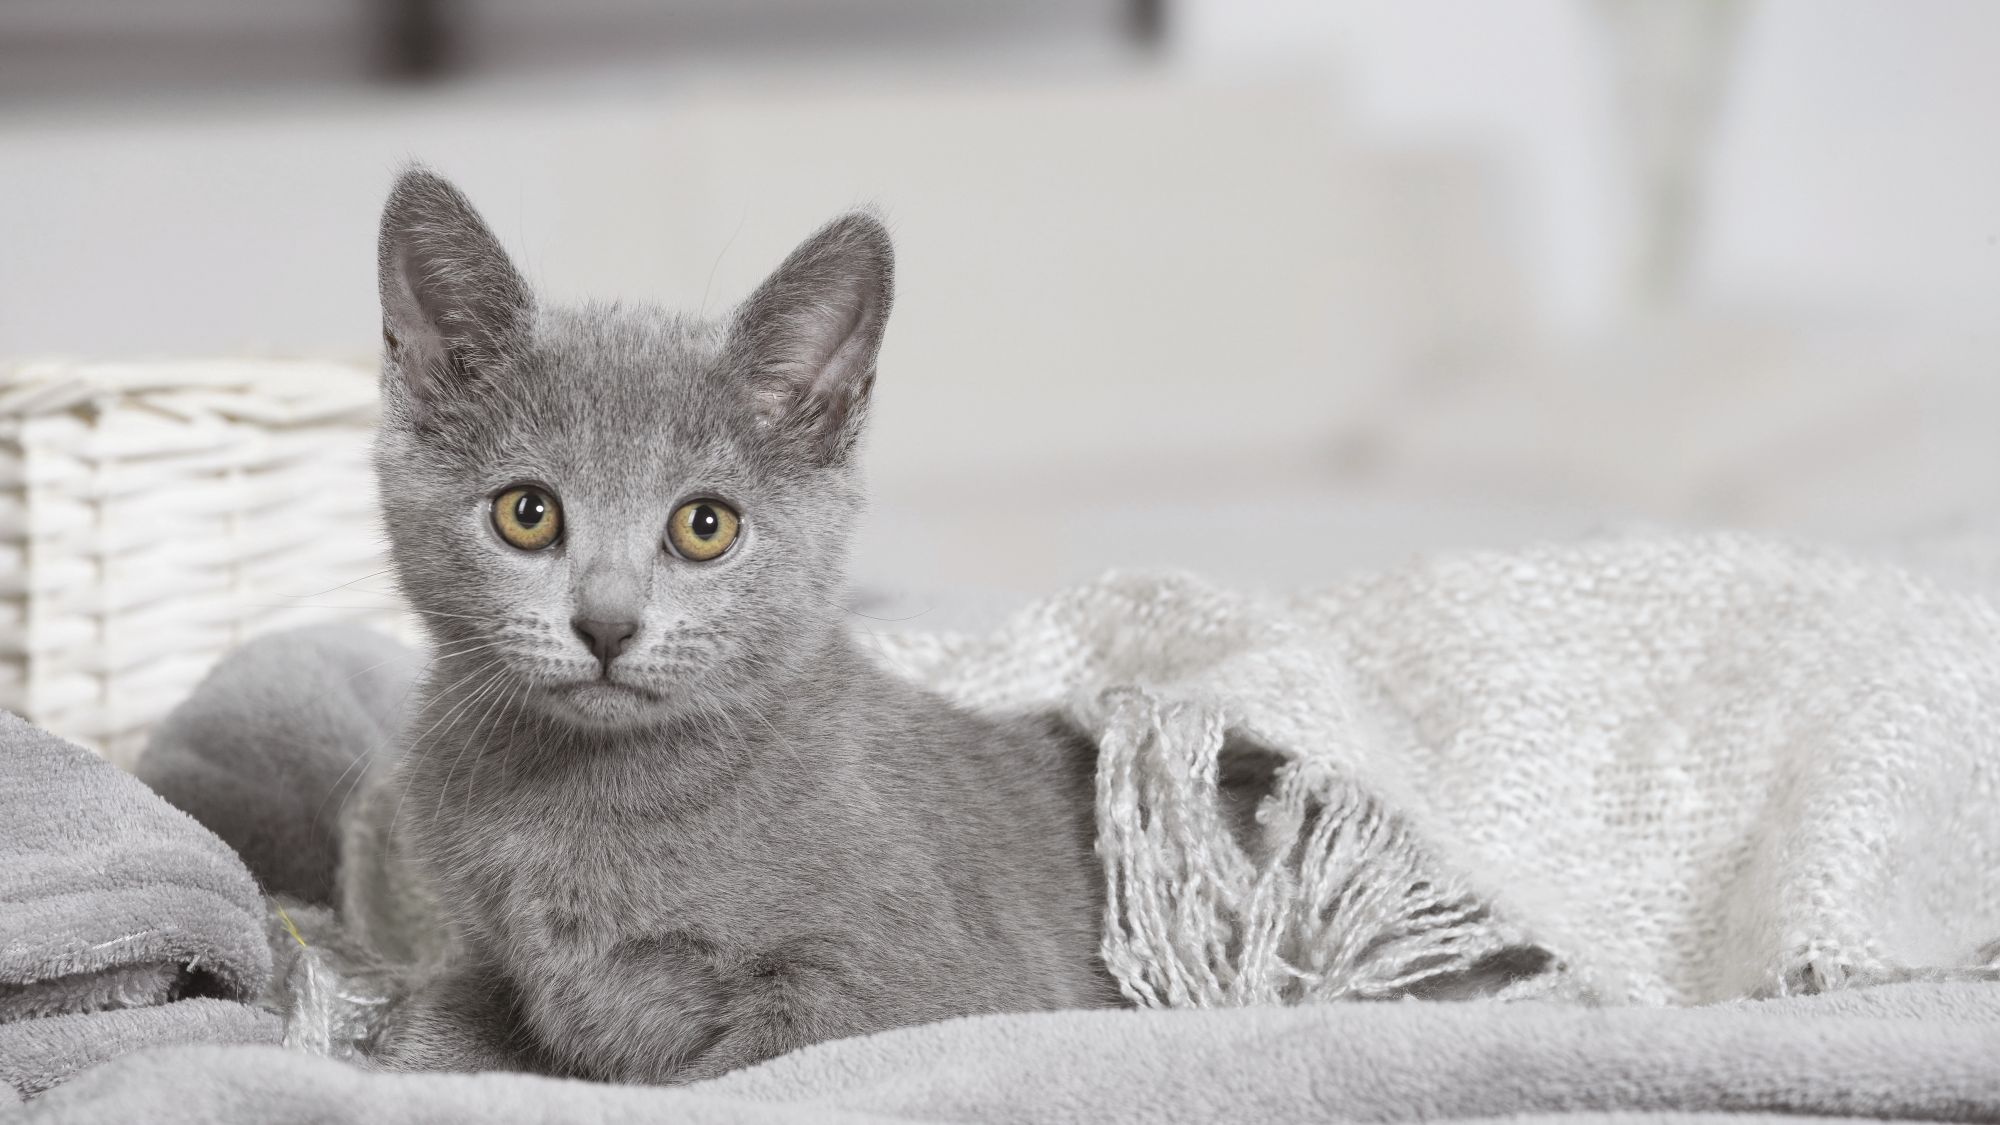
<point>153,516</point>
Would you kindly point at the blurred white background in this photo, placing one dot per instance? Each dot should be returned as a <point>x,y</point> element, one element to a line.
<point>1270,289</point>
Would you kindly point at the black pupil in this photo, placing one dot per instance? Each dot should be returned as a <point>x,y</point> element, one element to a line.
<point>705,522</point>
<point>529,509</point>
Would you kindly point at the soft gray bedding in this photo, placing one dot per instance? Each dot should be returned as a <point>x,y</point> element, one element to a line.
<point>123,922</point>
<point>1914,1051</point>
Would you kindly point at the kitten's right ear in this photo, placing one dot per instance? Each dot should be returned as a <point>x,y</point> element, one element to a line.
<point>809,334</point>
<point>453,306</point>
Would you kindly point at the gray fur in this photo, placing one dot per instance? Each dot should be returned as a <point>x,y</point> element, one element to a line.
<point>745,837</point>
<point>269,747</point>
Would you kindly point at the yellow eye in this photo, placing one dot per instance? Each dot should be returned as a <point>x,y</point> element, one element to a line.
<point>702,529</point>
<point>527,517</point>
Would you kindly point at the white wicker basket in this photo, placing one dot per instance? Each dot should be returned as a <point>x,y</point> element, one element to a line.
<point>153,516</point>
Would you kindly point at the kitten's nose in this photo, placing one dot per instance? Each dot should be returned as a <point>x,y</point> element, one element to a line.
<point>606,639</point>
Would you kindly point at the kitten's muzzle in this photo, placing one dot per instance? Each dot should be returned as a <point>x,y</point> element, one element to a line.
<point>605,639</point>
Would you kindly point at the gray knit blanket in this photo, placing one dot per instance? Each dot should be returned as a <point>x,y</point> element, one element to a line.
<point>1658,770</point>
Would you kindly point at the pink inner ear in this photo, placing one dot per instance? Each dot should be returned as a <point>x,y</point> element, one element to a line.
<point>813,366</point>
<point>811,331</point>
<point>841,326</point>
<point>406,327</point>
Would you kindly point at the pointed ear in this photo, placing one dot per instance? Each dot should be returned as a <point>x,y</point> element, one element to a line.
<point>806,340</point>
<point>453,306</point>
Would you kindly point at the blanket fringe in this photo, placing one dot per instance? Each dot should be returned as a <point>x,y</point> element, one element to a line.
<point>1340,901</point>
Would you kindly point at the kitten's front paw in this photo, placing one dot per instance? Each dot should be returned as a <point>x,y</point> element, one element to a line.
<point>423,1040</point>
<point>451,1024</point>
<point>394,1048</point>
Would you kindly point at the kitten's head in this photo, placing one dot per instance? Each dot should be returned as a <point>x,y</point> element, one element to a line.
<point>619,515</point>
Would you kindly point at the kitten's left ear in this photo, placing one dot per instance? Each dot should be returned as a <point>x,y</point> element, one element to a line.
<point>807,339</point>
<point>453,306</point>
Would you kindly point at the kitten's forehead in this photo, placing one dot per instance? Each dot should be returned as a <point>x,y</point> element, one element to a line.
<point>632,390</point>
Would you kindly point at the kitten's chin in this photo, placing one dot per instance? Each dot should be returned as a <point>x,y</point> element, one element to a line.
<point>603,705</point>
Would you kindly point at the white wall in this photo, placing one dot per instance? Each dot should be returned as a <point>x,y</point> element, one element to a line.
<point>1346,272</point>
<point>1857,166</point>
<point>1858,162</point>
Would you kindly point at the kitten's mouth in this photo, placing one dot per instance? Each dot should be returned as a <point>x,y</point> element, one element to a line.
<point>604,686</point>
<point>602,702</point>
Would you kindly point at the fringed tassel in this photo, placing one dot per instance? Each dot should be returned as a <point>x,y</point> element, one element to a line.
<point>1347,904</point>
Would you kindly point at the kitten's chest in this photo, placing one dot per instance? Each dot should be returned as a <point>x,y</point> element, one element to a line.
<point>548,878</point>
<point>571,880</point>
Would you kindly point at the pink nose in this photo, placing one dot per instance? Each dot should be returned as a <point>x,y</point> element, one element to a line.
<point>605,639</point>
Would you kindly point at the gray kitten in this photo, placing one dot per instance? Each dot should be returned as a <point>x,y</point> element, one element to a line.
<point>677,821</point>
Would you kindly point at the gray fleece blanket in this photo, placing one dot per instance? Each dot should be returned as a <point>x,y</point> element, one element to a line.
<point>1912,1052</point>
<point>123,922</point>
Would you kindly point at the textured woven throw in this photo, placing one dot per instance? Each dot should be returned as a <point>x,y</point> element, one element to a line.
<point>1650,769</point>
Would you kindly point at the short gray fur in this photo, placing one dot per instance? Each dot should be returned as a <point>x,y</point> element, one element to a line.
<point>738,836</point>
<point>276,737</point>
